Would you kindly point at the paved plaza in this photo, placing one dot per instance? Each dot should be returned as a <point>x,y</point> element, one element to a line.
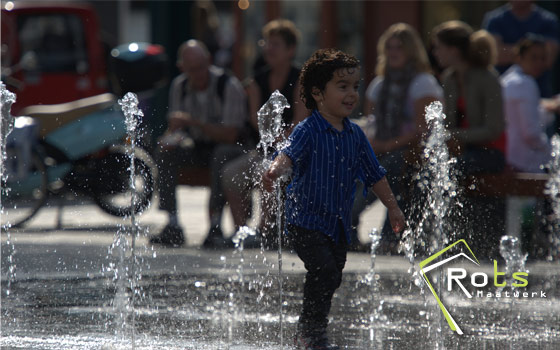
<point>80,245</point>
<point>56,277</point>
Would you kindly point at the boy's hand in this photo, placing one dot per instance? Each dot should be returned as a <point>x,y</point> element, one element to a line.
<point>383,191</point>
<point>268,179</point>
<point>396,217</point>
<point>282,165</point>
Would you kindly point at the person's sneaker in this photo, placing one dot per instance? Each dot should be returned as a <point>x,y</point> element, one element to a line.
<point>301,342</point>
<point>252,242</point>
<point>171,235</point>
<point>308,343</point>
<point>215,240</point>
<point>323,344</point>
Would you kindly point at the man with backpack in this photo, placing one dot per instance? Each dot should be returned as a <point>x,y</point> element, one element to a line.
<point>207,112</point>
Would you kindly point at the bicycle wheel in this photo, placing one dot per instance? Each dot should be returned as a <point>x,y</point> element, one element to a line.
<point>25,191</point>
<point>113,193</point>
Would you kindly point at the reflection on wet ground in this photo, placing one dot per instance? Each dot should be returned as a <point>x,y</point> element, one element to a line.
<point>207,311</point>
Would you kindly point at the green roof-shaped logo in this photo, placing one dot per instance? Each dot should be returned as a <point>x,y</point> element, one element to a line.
<point>425,267</point>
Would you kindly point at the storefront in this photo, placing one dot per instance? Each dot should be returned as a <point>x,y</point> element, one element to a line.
<point>353,26</point>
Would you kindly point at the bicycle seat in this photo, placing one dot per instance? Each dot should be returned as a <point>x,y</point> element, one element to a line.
<point>51,117</point>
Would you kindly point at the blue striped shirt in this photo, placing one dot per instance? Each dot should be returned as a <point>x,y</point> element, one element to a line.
<point>326,163</point>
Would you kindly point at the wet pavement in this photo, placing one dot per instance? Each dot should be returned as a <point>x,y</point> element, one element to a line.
<point>61,290</point>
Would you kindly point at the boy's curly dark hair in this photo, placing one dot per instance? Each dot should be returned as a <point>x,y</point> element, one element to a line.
<point>319,69</point>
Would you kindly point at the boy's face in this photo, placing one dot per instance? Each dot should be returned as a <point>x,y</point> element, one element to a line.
<point>340,96</point>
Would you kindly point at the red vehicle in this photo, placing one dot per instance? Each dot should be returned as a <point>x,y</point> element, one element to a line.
<point>51,53</point>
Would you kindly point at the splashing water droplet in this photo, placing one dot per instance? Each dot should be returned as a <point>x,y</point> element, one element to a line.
<point>270,118</point>
<point>242,234</point>
<point>375,237</point>
<point>272,134</point>
<point>7,98</point>
<point>129,105</point>
<point>552,189</point>
<point>510,250</point>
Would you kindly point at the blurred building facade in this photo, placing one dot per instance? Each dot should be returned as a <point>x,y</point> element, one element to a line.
<point>233,27</point>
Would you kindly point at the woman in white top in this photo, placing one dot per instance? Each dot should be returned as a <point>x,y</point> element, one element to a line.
<point>395,102</point>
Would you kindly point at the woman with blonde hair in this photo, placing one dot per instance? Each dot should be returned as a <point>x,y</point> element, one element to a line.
<point>473,106</point>
<point>395,102</point>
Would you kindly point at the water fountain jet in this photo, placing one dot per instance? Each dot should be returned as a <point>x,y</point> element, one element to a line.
<point>271,132</point>
<point>7,98</point>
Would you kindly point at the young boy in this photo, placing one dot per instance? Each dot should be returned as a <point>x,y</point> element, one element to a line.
<point>326,154</point>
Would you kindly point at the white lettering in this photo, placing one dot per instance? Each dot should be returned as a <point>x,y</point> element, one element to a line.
<point>451,276</point>
<point>484,279</point>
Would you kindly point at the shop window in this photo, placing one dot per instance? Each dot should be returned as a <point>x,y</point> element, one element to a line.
<point>56,40</point>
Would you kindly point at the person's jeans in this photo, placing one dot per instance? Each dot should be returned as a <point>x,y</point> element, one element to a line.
<point>214,156</point>
<point>169,161</point>
<point>222,155</point>
<point>324,261</point>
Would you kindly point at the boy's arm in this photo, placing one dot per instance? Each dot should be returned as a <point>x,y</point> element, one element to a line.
<point>282,165</point>
<point>383,192</point>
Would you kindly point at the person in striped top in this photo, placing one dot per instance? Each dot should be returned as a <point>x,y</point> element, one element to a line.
<point>326,154</point>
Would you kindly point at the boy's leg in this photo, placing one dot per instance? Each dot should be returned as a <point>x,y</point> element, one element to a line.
<point>324,261</point>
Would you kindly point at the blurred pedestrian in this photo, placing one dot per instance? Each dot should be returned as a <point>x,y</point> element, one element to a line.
<point>242,174</point>
<point>528,146</point>
<point>511,22</point>
<point>475,119</point>
<point>395,102</point>
<point>527,117</point>
<point>207,110</point>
